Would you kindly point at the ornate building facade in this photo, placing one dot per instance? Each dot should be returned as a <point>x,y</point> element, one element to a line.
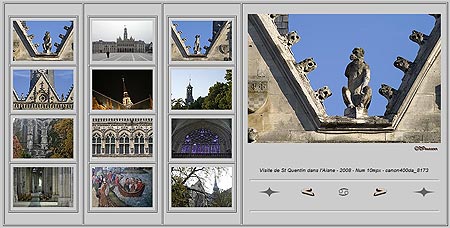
<point>42,94</point>
<point>201,138</point>
<point>43,186</point>
<point>122,137</point>
<point>122,45</point>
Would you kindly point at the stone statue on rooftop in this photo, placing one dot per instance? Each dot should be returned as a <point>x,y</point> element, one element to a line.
<point>47,45</point>
<point>358,94</point>
<point>197,44</point>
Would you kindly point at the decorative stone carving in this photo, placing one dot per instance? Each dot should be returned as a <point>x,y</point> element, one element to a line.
<point>61,36</point>
<point>47,45</point>
<point>418,37</point>
<point>290,39</point>
<point>274,16</point>
<point>197,47</point>
<point>252,135</point>
<point>257,86</point>
<point>224,48</point>
<point>183,39</point>
<point>306,65</point>
<point>31,36</point>
<point>402,64</point>
<point>358,94</point>
<point>323,93</point>
<point>387,91</point>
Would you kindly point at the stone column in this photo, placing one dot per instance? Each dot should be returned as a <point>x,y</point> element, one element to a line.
<point>29,135</point>
<point>55,190</point>
<point>44,141</point>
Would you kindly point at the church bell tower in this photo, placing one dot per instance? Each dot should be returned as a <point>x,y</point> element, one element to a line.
<point>189,97</point>
<point>126,100</point>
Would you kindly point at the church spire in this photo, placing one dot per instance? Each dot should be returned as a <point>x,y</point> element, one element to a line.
<point>216,187</point>
<point>126,100</point>
<point>125,33</point>
<point>189,97</point>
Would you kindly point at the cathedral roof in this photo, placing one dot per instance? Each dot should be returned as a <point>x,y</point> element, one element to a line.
<point>264,29</point>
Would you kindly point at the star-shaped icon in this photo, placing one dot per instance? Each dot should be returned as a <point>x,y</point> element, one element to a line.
<point>423,192</point>
<point>269,192</point>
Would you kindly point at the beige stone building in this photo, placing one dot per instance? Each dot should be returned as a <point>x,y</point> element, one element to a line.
<point>220,48</point>
<point>283,107</point>
<point>25,50</point>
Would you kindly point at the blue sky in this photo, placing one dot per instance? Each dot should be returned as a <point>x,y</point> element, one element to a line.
<point>192,28</point>
<point>38,28</point>
<point>110,30</point>
<point>63,81</point>
<point>329,39</point>
<point>201,80</point>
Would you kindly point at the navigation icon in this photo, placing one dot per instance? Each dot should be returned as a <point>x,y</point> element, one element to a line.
<point>308,192</point>
<point>269,192</point>
<point>379,192</point>
<point>424,192</point>
<point>343,191</point>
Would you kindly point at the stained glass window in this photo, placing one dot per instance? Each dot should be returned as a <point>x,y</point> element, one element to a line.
<point>201,140</point>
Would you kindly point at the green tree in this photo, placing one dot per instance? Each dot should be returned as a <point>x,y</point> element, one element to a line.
<point>197,104</point>
<point>178,103</point>
<point>222,199</point>
<point>220,94</point>
<point>61,134</point>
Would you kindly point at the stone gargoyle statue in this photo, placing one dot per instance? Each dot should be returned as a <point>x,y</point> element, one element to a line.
<point>358,94</point>
<point>47,45</point>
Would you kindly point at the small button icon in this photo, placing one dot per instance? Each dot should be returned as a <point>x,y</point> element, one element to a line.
<point>343,191</point>
<point>308,192</point>
<point>269,192</point>
<point>424,192</point>
<point>379,192</point>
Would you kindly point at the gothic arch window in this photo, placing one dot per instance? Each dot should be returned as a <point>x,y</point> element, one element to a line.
<point>201,140</point>
<point>96,144</point>
<point>150,142</point>
<point>124,144</point>
<point>110,145</point>
<point>139,146</point>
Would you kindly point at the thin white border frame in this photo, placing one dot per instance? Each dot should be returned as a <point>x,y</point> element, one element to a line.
<point>187,18</point>
<point>48,161</point>
<point>122,18</point>
<point>75,83</point>
<point>36,63</point>
<point>204,111</point>
<point>123,159</point>
<point>232,209</point>
<point>75,192</point>
<point>152,209</point>
<point>205,160</point>
<point>152,111</point>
